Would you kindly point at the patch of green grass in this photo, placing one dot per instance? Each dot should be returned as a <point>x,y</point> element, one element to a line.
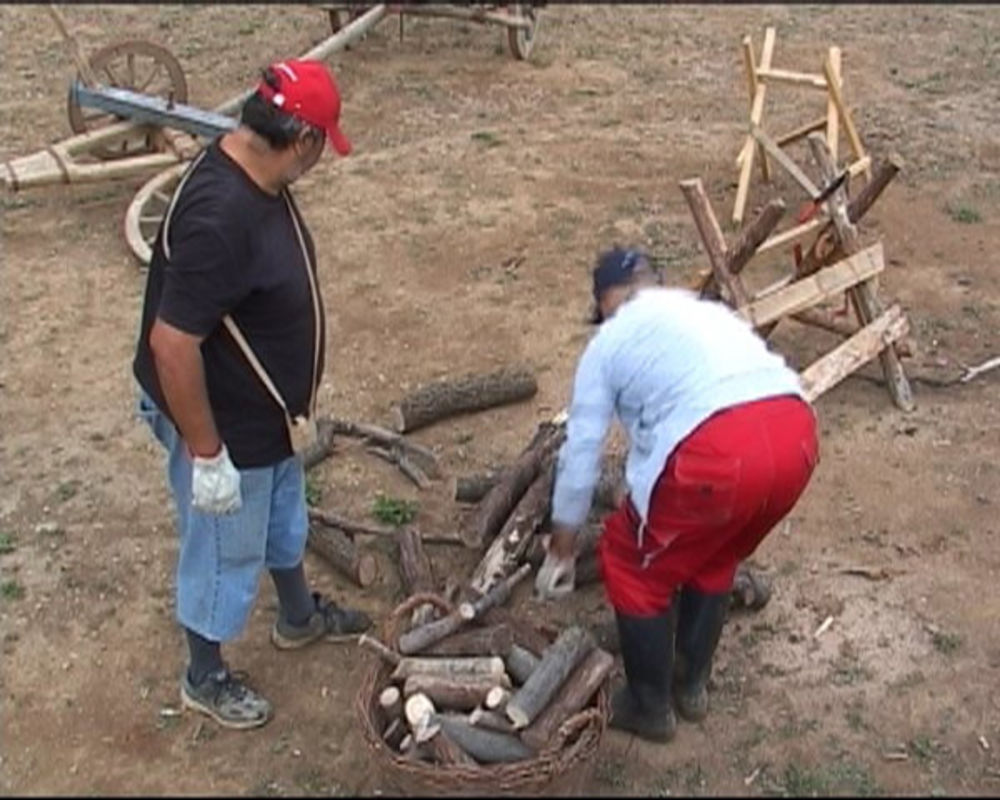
<point>487,138</point>
<point>67,490</point>
<point>946,643</point>
<point>314,492</point>
<point>963,213</point>
<point>7,543</point>
<point>11,590</point>
<point>393,510</point>
<point>841,778</point>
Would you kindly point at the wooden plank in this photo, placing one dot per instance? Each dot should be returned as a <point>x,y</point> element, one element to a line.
<point>750,63</point>
<point>832,120</point>
<point>715,243</point>
<point>836,95</point>
<point>756,114</point>
<point>782,158</point>
<point>785,237</point>
<point>861,348</point>
<point>818,287</point>
<point>792,77</point>
<point>801,132</point>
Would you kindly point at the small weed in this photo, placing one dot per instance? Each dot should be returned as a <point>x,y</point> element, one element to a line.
<point>842,778</point>
<point>794,728</point>
<point>963,213</point>
<point>487,138</point>
<point>394,511</point>
<point>908,681</point>
<point>67,490</point>
<point>695,778</point>
<point>855,719</point>
<point>847,672</point>
<point>7,543</point>
<point>924,748</point>
<point>946,643</point>
<point>11,590</point>
<point>314,493</point>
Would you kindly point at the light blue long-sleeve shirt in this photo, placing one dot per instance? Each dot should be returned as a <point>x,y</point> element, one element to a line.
<point>664,363</point>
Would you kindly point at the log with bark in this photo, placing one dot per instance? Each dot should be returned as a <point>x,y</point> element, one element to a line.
<point>459,694</point>
<point>573,696</point>
<point>446,751</point>
<point>372,644</point>
<point>327,428</point>
<point>490,720</point>
<point>446,398</point>
<point>557,662</point>
<point>526,637</point>
<point>416,572</point>
<point>473,488</point>
<point>491,640</point>
<point>486,746</point>
<point>342,553</point>
<point>352,527</point>
<point>520,663</point>
<point>493,510</point>
<point>489,666</point>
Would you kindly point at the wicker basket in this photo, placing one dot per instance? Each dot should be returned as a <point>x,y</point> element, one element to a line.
<point>557,770</point>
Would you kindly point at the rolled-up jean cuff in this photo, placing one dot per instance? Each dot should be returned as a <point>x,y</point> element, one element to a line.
<point>222,555</point>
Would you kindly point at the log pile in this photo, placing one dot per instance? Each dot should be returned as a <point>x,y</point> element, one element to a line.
<point>459,690</point>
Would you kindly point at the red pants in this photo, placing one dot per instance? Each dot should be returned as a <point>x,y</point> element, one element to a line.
<point>721,491</point>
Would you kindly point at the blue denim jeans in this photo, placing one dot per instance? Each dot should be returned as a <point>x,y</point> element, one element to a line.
<point>221,555</point>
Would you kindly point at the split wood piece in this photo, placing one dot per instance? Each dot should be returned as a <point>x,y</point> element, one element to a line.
<point>747,244</point>
<point>832,118</point>
<point>490,720</point>
<point>825,248</point>
<point>473,488</point>
<point>332,519</point>
<point>712,238</point>
<point>459,694</point>
<point>447,398</point>
<point>496,698</point>
<point>403,462</point>
<point>338,549</point>
<point>486,746</point>
<point>526,637</point>
<point>824,318</point>
<point>785,161</point>
<point>416,572</point>
<point>521,663</point>
<point>394,733</point>
<point>790,235</point>
<point>756,115</point>
<point>828,371</point>
<point>469,666</point>
<point>375,434</point>
<point>750,62</point>
<point>493,640</point>
<point>807,292</point>
<point>418,710</point>
<point>792,77</point>
<point>446,751</point>
<point>864,295</point>
<point>391,702</point>
<point>801,132</point>
<point>388,655</point>
<point>572,697</point>
<point>417,639</point>
<point>836,95</point>
<point>491,512</point>
<point>558,661</point>
<point>511,543</point>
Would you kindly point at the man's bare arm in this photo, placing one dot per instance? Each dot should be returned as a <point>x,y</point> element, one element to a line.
<point>179,366</point>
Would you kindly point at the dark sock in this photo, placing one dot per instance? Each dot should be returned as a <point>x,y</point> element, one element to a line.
<point>297,602</point>
<point>206,657</point>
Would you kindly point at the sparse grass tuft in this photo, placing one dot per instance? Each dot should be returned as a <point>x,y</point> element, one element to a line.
<point>393,510</point>
<point>314,492</point>
<point>487,138</point>
<point>963,213</point>
<point>7,543</point>
<point>946,643</point>
<point>11,590</point>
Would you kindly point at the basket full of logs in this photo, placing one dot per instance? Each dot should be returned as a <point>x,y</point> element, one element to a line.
<point>473,702</point>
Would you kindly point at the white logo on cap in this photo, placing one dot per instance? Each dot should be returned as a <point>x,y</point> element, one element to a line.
<point>287,70</point>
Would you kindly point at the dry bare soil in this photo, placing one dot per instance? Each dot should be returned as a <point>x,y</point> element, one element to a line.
<point>458,237</point>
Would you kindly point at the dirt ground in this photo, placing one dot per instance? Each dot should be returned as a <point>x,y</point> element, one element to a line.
<point>458,237</point>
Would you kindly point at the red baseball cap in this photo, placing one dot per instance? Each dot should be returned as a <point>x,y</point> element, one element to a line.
<point>307,90</point>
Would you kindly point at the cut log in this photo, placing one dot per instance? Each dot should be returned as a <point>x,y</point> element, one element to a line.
<point>510,545</point>
<point>496,698</point>
<point>712,238</point>
<point>322,448</point>
<point>374,434</point>
<point>405,464</point>
<point>418,710</point>
<point>492,511</point>
<point>332,519</point>
<point>473,488</point>
<point>446,751</point>
<point>462,694</point>
<point>521,663</point>
<point>394,733</point>
<point>496,596</point>
<point>525,636</point>
<point>447,398</point>
<point>557,662</point>
<point>391,702</point>
<point>752,236</point>
<point>487,747</point>
<point>490,720</point>
<point>371,643</point>
<point>493,640</point>
<point>422,637</point>
<point>415,569</point>
<point>469,666</point>
<point>335,546</point>
<point>573,696</point>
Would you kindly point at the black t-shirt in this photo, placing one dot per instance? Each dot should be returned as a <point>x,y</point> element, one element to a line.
<point>233,250</point>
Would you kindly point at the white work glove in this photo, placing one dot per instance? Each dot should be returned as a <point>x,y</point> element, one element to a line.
<point>557,575</point>
<point>215,484</point>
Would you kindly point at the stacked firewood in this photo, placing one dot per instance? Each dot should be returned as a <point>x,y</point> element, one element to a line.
<point>471,687</point>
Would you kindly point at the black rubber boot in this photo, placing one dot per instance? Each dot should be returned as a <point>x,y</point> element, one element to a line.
<point>642,706</point>
<point>699,626</point>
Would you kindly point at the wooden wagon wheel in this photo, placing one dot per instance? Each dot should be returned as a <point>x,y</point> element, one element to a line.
<point>147,210</point>
<point>137,65</point>
<point>522,40</point>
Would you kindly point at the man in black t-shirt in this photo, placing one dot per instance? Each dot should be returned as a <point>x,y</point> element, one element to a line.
<point>229,360</point>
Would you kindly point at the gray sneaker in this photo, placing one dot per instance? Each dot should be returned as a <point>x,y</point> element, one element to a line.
<point>225,697</point>
<point>329,621</point>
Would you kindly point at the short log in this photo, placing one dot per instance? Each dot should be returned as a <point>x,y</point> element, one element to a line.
<point>487,747</point>
<point>337,549</point>
<point>458,694</point>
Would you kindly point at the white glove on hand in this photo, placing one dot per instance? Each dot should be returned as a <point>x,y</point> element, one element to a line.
<point>556,577</point>
<point>215,484</point>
